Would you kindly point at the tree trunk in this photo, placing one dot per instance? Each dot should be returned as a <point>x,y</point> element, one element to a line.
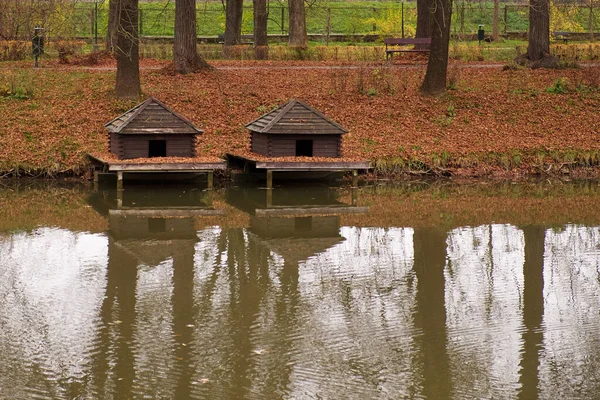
<point>233,22</point>
<point>495,30</point>
<point>539,30</point>
<point>113,20</point>
<point>297,18</point>
<point>532,337</point>
<point>437,67</point>
<point>429,314</point>
<point>261,50</point>
<point>423,19</point>
<point>185,54</point>
<point>127,51</point>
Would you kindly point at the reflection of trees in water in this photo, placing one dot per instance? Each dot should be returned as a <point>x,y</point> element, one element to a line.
<point>491,302</point>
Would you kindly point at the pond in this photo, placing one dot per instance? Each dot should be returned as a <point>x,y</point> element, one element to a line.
<point>420,290</point>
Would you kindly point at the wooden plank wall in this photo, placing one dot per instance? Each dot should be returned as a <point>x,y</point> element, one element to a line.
<point>136,146</point>
<point>259,143</point>
<point>323,145</point>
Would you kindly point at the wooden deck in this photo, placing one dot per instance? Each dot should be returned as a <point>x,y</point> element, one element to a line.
<point>123,166</point>
<point>298,166</point>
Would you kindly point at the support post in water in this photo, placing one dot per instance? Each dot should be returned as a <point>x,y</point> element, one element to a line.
<point>209,181</point>
<point>269,179</point>
<point>120,180</point>
<point>354,178</point>
<point>119,199</point>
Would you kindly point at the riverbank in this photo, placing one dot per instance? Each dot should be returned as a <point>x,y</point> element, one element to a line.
<point>493,120</point>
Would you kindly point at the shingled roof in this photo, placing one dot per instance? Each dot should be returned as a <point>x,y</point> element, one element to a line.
<point>295,117</point>
<point>151,117</point>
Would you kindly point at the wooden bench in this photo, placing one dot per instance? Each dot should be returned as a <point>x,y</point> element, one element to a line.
<point>564,36</point>
<point>423,45</point>
<point>245,39</point>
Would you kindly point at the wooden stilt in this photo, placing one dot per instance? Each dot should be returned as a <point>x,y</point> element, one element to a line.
<point>354,196</point>
<point>269,179</point>
<point>209,181</point>
<point>209,198</point>
<point>120,198</point>
<point>95,176</point>
<point>119,180</point>
<point>269,198</point>
<point>354,178</point>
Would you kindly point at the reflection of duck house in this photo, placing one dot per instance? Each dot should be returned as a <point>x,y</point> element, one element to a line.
<point>294,223</point>
<point>152,225</point>
<point>295,129</point>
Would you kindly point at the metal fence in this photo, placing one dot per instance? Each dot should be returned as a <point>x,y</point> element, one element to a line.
<point>386,18</point>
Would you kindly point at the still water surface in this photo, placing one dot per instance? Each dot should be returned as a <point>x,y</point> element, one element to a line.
<point>303,293</point>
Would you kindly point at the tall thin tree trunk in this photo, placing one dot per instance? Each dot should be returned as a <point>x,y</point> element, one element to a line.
<point>113,21</point>
<point>297,18</point>
<point>261,50</point>
<point>127,51</point>
<point>539,30</point>
<point>423,19</point>
<point>185,53</point>
<point>495,21</point>
<point>233,22</point>
<point>437,67</point>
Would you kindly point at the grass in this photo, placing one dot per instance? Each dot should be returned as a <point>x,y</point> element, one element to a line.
<point>357,17</point>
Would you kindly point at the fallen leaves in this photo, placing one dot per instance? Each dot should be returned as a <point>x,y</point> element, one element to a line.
<point>491,111</point>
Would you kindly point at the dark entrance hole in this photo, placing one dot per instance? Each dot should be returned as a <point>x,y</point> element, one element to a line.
<point>304,148</point>
<point>157,225</point>
<point>157,148</point>
<point>303,223</point>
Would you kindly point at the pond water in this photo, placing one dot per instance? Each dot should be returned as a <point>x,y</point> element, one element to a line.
<point>412,291</point>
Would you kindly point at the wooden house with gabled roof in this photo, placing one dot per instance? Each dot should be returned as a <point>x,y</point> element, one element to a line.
<point>295,129</point>
<point>151,129</point>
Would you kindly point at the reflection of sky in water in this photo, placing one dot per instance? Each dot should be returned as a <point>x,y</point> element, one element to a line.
<point>52,283</point>
<point>570,355</point>
<point>484,284</point>
<point>340,326</point>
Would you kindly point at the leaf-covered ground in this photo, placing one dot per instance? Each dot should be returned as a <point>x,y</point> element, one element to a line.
<point>514,120</point>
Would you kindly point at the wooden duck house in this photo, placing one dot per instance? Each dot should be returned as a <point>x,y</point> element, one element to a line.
<point>151,129</point>
<point>295,129</point>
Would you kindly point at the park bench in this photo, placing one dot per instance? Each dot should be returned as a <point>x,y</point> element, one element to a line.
<point>245,39</point>
<point>422,45</point>
<point>564,36</point>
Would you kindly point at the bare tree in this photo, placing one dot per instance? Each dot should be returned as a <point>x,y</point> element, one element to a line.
<point>297,18</point>
<point>496,17</point>
<point>261,15</point>
<point>18,18</point>
<point>185,53</point>
<point>233,22</point>
<point>539,30</point>
<point>437,67</point>
<point>113,20</point>
<point>538,49</point>
<point>127,51</point>
<point>423,19</point>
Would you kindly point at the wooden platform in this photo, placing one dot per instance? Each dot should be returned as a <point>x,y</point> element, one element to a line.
<point>298,166</point>
<point>122,166</point>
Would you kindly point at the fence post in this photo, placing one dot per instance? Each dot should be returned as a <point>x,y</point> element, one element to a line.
<point>591,21</point>
<point>328,24</point>
<point>140,23</point>
<point>374,19</point>
<point>92,19</point>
